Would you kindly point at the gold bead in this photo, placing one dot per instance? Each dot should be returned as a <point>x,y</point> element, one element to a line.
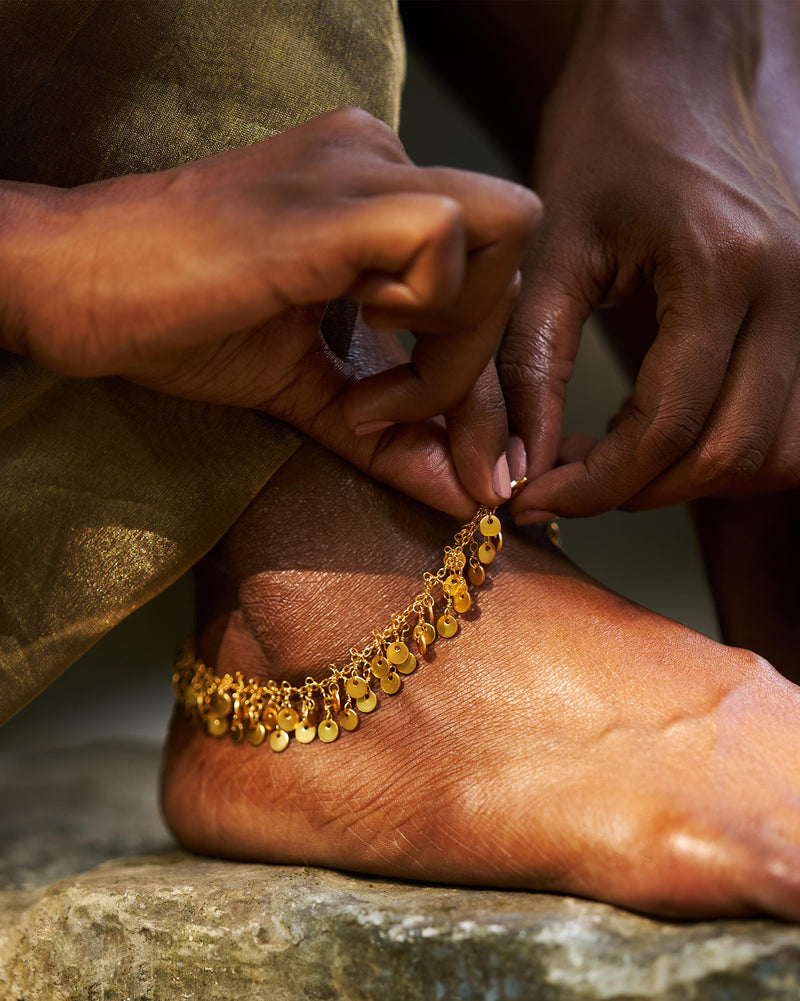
<point>217,726</point>
<point>368,703</point>
<point>328,731</point>
<point>397,652</point>
<point>348,718</point>
<point>257,734</point>
<point>380,666</point>
<point>408,665</point>
<point>486,552</point>
<point>279,740</point>
<point>356,687</point>
<point>490,525</point>
<point>476,574</point>
<point>288,719</point>
<point>391,684</point>
<point>447,625</point>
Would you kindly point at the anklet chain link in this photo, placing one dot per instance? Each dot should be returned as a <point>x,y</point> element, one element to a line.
<point>272,712</point>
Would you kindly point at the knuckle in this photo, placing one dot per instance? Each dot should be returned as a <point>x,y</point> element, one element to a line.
<point>357,125</point>
<point>673,434</point>
<point>726,463</point>
<point>523,373</point>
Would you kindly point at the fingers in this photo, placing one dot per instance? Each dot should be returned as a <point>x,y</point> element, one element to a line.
<point>404,253</point>
<point>677,386</point>
<point>538,352</point>
<point>413,458</point>
<point>441,370</point>
<point>742,430</point>
<point>478,433</point>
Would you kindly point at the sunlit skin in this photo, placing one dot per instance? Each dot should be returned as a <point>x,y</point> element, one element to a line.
<point>564,740</point>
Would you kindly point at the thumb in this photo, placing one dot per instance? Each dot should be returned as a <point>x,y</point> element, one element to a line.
<point>537,355</point>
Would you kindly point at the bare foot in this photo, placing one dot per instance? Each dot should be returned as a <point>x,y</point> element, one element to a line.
<point>564,740</point>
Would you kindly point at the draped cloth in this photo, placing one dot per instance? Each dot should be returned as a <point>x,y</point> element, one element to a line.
<point>108,491</point>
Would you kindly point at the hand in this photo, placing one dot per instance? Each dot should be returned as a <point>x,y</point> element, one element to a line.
<point>652,165</point>
<point>208,281</point>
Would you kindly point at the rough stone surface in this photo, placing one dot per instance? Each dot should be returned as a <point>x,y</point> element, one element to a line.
<point>169,926</point>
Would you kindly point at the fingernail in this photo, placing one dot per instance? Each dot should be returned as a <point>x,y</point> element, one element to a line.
<point>534,517</point>
<point>517,457</point>
<point>370,427</point>
<point>501,478</point>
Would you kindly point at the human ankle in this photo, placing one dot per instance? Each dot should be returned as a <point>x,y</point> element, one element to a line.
<point>321,558</point>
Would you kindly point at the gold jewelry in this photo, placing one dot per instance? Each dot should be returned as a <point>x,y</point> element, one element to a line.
<point>273,711</point>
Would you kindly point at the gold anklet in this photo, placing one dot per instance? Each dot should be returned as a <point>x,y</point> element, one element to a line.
<point>250,711</point>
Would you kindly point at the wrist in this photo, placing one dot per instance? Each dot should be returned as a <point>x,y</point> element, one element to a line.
<point>708,46</point>
<point>26,213</point>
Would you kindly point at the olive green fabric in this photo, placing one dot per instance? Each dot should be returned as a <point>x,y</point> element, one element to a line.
<point>108,492</point>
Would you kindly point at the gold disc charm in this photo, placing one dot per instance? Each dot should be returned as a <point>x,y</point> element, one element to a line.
<point>368,703</point>
<point>218,726</point>
<point>397,653</point>
<point>553,532</point>
<point>424,634</point>
<point>269,718</point>
<point>328,731</point>
<point>462,601</point>
<point>237,732</point>
<point>305,733</point>
<point>348,719</point>
<point>221,704</point>
<point>498,542</point>
<point>408,665</point>
<point>477,575</point>
<point>279,740</point>
<point>490,525</point>
<point>486,552</point>
<point>453,584</point>
<point>288,720</point>
<point>380,666</point>
<point>391,684</point>
<point>356,688</point>
<point>257,734</point>
<point>447,625</point>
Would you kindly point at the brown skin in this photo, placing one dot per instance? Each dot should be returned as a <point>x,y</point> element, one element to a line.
<point>684,189</point>
<point>564,740</point>
<point>209,281</point>
<point>660,166</point>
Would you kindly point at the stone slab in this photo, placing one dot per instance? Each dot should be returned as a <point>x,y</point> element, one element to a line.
<point>169,926</point>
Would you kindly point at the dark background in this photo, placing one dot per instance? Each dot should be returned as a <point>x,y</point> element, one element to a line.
<point>122,686</point>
